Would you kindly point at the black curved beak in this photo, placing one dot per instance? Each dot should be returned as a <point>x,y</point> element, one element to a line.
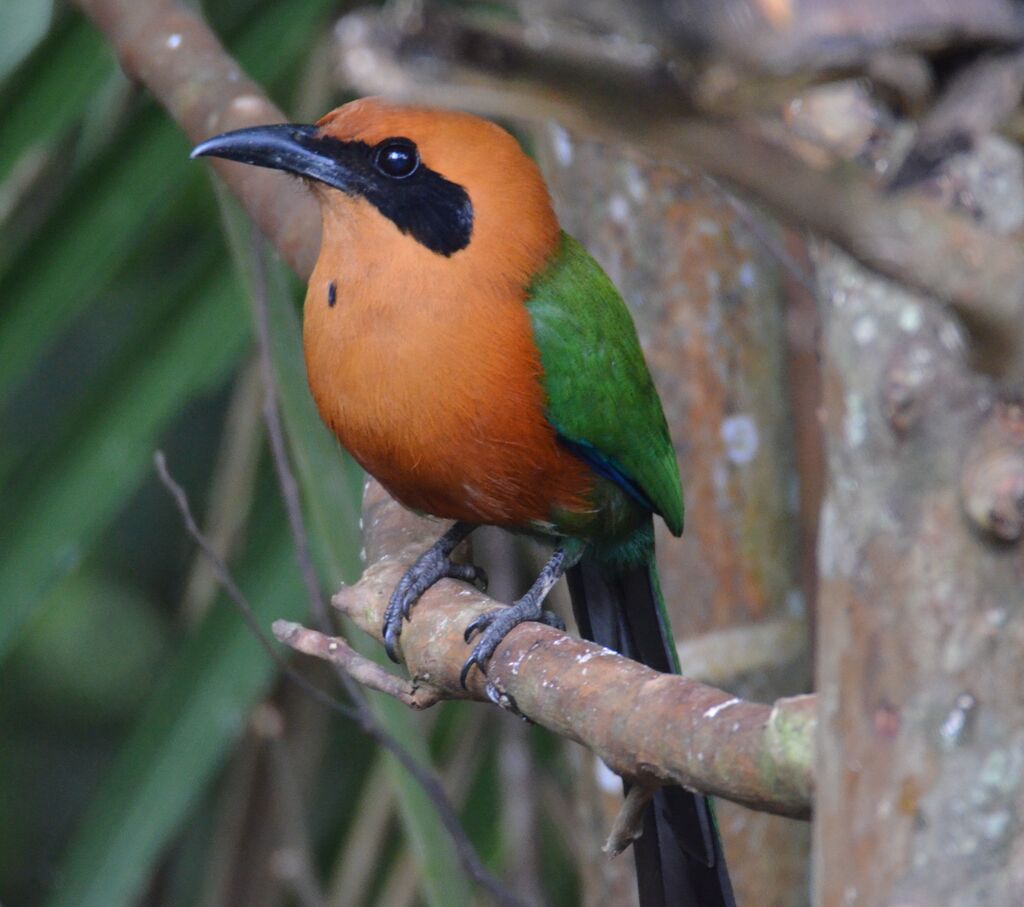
<point>290,147</point>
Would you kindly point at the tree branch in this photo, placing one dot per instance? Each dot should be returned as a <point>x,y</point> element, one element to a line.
<point>650,727</point>
<point>781,37</point>
<point>443,59</point>
<point>168,48</point>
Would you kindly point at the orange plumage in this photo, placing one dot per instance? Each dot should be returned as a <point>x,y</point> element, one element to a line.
<point>425,367</point>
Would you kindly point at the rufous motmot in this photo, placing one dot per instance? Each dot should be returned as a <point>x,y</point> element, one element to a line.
<point>479,363</point>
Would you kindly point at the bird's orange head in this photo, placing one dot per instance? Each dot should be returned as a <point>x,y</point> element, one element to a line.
<point>439,190</point>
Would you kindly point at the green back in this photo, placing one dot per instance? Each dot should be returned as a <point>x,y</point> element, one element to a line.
<point>600,393</point>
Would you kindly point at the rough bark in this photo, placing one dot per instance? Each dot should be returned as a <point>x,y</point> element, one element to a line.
<point>921,797</point>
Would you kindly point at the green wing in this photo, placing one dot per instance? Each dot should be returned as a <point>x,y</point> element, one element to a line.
<point>600,394</point>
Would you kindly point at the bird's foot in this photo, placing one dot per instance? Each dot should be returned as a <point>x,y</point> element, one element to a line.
<point>434,564</point>
<point>494,625</point>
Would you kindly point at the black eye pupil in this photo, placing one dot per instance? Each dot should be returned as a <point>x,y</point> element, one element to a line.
<point>397,159</point>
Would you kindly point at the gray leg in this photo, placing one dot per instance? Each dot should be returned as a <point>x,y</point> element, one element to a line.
<point>434,564</point>
<point>494,625</point>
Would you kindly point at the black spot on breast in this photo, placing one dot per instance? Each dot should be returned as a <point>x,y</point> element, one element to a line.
<point>332,294</point>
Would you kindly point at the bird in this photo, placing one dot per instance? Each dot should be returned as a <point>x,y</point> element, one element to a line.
<point>477,361</point>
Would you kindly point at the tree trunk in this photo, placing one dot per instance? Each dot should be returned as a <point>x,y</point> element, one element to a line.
<point>921,625</point>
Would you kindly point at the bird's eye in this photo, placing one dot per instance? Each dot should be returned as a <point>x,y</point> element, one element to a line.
<point>396,158</point>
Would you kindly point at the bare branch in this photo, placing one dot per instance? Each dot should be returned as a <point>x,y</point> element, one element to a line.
<point>676,730</point>
<point>235,593</point>
<point>275,434</point>
<point>629,823</point>
<point>338,652</point>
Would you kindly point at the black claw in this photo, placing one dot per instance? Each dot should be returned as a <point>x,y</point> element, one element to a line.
<point>467,667</point>
<point>478,623</point>
<point>483,650</point>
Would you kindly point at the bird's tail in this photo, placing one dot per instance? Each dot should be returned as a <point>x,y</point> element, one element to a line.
<point>679,860</point>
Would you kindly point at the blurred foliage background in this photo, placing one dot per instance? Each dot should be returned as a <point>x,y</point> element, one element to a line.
<point>148,752</point>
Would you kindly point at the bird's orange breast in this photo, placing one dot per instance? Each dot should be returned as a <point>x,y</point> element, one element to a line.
<point>425,368</point>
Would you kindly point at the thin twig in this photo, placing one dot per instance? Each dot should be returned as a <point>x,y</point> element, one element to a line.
<point>236,595</point>
<point>336,651</point>
<point>275,433</point>
<point>628,825</point>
